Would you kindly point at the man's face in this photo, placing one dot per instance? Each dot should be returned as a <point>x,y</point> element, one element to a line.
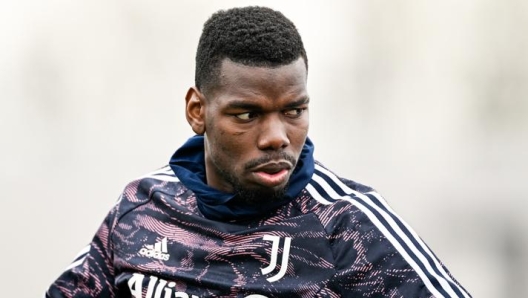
<point>256,123</point>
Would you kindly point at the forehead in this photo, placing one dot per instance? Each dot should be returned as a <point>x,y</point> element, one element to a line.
<point>240,79</point>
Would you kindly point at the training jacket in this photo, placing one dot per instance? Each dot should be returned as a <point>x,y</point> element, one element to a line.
<point>170,235</point>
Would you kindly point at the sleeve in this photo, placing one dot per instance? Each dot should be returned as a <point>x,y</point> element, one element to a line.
<point>91,274</point>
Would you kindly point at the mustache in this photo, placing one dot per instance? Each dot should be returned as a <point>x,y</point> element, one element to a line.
<point>268,158</point>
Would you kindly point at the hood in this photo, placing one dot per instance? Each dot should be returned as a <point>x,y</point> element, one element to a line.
<point>188,163</point>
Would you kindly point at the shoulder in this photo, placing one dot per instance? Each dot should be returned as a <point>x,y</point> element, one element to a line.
<point>140,190</point>
<point>327,187</point>
<point>141,186</point>
<point>334,199</point>
<point>344,202</point>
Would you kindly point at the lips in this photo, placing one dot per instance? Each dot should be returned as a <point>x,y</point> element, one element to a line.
<point>272,174</point>
<point>273,167</point>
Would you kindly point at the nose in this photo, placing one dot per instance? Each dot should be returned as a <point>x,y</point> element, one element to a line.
<point>273,134</point>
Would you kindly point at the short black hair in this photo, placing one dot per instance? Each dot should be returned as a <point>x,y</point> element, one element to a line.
<point>254,36</point>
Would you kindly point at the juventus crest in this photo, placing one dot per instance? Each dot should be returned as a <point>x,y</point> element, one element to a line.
<point>274,256</point>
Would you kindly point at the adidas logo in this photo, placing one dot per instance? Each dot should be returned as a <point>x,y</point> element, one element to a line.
<point>156,251</point>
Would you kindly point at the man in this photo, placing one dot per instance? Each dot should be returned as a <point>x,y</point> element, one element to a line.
<point>242,209</point>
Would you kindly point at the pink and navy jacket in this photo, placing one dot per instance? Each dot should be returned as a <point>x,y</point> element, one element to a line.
<point>170,235</point>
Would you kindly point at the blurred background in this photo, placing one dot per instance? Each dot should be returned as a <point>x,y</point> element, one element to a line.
<point>424,100</point>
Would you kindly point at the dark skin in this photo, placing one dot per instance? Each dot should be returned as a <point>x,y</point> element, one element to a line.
<point>255,122</point>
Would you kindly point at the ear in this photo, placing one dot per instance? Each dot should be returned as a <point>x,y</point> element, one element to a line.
<point>195,110</point>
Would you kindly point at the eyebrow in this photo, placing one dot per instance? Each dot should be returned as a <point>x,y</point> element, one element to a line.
<point>299,102</point>
<point>244,105</point>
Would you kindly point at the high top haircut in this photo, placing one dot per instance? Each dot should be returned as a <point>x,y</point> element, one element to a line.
<point>253,36</point>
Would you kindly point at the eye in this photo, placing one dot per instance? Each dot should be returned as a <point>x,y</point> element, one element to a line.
<point>294,113</point>
<point>246,116</point>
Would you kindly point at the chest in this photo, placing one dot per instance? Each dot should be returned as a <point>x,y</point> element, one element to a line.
<point>184,255</point>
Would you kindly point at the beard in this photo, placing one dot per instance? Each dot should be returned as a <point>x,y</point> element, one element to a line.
<point>256,195</point>
<point>251,197</point>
